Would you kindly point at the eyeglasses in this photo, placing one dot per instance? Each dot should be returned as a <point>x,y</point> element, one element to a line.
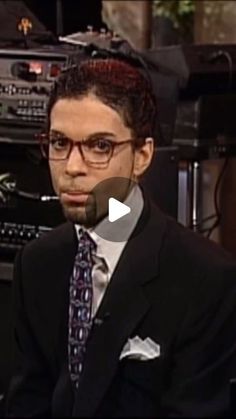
<point>94,151</point>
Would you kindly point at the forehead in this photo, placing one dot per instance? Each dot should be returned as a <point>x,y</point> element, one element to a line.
<point>84,116</point>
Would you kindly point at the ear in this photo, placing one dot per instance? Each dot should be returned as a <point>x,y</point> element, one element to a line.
<point>143,157</point>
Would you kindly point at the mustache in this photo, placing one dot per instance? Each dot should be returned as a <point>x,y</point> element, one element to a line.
<point>72,187</point>
<point>75,190</point>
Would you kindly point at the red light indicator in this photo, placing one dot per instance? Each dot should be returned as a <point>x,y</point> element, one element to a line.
<point>55,70</point>
<point>36,67</point>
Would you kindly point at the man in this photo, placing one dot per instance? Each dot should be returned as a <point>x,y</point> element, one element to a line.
<point>139,326</point>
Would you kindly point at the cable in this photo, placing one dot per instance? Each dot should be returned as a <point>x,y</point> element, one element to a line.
<point>8,188</point>
<point>217,215</point>
<point>219,54</point>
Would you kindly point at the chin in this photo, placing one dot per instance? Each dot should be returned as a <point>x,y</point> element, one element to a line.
<point>80,216</point>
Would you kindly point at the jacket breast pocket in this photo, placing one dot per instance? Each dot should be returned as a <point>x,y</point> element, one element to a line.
<point>147,375</point>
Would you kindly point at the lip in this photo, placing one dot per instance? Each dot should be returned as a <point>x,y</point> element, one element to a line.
<point>74,197</point>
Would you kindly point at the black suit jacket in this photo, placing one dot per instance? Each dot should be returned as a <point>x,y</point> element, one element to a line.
<point>170,285</point>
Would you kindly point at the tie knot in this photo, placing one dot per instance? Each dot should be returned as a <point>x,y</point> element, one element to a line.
<point>86,241</point>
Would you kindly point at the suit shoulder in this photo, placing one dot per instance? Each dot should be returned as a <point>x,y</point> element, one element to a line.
<point>50,240</point>
<point>194,248</point>
<point>195,252</point>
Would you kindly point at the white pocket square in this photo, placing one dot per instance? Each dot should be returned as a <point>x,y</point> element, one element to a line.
<point>139,349</point>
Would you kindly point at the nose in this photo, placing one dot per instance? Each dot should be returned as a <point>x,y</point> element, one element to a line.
<point>75,164</point>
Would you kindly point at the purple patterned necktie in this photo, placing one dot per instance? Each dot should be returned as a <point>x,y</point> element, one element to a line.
<point>80,308</point>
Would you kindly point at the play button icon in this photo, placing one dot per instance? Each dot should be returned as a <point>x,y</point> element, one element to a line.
<point>113,208</point>
<point>117,210</point>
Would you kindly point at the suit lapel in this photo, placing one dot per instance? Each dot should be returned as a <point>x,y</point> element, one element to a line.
<point>53,313</point>
<point>123,306</point>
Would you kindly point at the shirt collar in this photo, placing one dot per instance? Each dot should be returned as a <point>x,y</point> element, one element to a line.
<point>110,250</point>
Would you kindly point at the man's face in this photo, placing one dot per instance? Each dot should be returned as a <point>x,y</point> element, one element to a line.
<point>73,179</point>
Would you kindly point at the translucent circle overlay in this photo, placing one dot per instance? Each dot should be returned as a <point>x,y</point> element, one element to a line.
<point>123,190</point>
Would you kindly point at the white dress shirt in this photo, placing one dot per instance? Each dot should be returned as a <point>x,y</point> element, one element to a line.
<point>108,252</point>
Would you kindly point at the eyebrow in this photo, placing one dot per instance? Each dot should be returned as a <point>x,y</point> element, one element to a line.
<point>95,134</point>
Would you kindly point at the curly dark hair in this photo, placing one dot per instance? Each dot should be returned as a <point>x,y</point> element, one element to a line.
<point>117,84</point>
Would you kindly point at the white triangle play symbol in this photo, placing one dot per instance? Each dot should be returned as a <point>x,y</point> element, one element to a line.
<point>116,210</point>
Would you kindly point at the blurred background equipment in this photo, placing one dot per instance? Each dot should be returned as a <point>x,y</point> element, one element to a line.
<point>207,93</point>
<point>49,20</point>
<point>11,13</point>
<point>24,180</point>
<point>131,20</point>
<point>63,17</point>
<point>205,119</point>
<point>26,78</point>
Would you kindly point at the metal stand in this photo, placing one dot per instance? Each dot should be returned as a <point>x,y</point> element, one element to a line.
<point>194,177</point>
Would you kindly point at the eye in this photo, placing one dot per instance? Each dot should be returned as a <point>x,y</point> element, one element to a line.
<point>59,143</point>
<point>100,146</point>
